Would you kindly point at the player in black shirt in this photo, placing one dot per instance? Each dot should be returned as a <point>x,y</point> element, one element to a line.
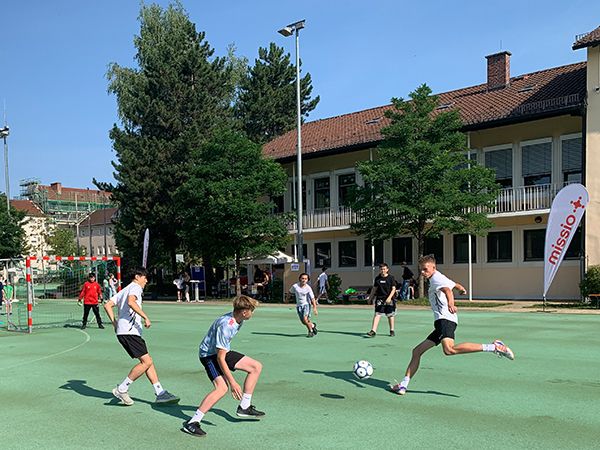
<point>383,296</point>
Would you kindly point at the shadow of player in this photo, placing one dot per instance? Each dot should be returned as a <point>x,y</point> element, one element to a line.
<point>280,334</point>
<point>347,333</point>
<point>350,378</point>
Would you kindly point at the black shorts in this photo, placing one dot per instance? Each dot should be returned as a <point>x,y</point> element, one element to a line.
<point>134,345</point>
<point>442,329</point>
<point>212,367</point>
<point>381,307</point>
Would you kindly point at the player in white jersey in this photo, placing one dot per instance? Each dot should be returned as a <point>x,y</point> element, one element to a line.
<point>128,326</point>
<point>304,298</point>
<point>219,361</point>
<point>323,284</point>
<point>445,322</point>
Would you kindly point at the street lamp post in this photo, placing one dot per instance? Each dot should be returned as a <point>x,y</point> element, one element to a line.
<point>295,28</point>
<point>4,132</point>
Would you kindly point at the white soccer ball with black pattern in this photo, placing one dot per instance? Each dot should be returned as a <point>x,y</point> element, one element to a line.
<point>362,369</point>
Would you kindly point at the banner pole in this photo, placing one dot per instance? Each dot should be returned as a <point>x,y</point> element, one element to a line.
<point>544,307</point>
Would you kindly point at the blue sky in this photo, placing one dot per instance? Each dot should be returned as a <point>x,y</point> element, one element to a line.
<point>54,56</point>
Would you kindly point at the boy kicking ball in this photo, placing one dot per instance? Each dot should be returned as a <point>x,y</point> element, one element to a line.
<point>219,361</point>
<point>441,299</point>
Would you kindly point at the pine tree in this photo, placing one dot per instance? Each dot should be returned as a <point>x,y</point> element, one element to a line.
<point>172,101</point>
<point>266,106</point>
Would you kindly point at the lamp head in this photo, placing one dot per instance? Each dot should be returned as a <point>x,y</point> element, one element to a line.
<point>289,30</point>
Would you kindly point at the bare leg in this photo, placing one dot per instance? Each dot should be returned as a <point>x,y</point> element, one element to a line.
<point>391,320</point>
<point>146,365</point>
<point>253,368</point>
<point>417,352</point>
<point>375,324</point>
<point>213,397</point>
<point>465,347</point>
<point>307,322</point>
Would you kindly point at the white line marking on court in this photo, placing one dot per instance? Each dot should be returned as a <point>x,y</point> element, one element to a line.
<point>87,339</point>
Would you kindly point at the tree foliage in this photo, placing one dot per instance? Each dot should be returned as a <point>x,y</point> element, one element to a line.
<point>172,101</point>
<point>62,241</point>
<point>266,105</point>
<point>420,182</point>
<point>12,236</point>
<point>227,212</point>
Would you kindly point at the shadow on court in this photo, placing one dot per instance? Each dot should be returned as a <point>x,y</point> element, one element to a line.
<point>348,377</point>
<point>280,334</point>
<point>346,333</point>
<point>176,410</point>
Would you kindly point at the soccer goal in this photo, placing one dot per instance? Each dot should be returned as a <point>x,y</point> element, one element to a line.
<point>52,286</point>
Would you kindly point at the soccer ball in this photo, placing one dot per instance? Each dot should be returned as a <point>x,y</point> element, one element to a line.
<point>362,369</point>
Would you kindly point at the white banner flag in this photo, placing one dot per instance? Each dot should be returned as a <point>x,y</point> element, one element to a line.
<point>565,214</point>
<point>146,244</point>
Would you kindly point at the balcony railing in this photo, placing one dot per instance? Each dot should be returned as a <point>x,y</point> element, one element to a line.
<point>510,200</point>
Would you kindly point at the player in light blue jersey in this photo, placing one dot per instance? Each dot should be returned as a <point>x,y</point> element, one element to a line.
<point>219,361</point>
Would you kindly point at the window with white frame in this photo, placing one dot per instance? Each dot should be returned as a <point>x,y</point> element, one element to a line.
<point>402,250</point>
<point>435,246</point>
<point>323,254</point>
<point>378,253</point>
<point>533,245</point>
<point>461,249</point>
<point>499,246</point>
<point>346,183</point>
<point>294,192</point>
<point>572,159</point>
<point>536,162</point>
<point>322,193</point>
<point>347,254</point>
<point>501,162</point>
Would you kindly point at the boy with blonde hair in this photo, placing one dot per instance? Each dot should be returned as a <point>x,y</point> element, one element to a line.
<point>219,361</point>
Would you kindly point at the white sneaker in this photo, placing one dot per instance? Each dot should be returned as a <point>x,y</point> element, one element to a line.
<point>398,389</point>
<point>166,397</point>
<point>123,396</point>
<point>503,350</point>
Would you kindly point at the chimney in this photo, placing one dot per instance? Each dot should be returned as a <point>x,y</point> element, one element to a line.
<point>498,70</point>
<point>56,187</point>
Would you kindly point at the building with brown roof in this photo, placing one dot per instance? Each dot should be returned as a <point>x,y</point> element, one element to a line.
<point>95,234</point>
<point>538,131</point>
<point>36,225</point>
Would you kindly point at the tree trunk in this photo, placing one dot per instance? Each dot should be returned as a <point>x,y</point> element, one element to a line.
<point>238,287</point>
<point>420,249</point>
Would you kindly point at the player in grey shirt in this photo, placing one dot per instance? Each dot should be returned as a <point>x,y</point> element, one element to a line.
<point>219,361</point>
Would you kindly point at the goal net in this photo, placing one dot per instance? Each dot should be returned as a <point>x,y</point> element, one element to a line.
<point>46,290</point>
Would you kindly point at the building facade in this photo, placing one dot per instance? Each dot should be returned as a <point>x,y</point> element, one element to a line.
<point>95,234</point>
<point>538,131</point>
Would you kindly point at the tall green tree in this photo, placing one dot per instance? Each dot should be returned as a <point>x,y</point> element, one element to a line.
<point>12,235</point>
<point>62,242</point>
<point>421,182</point>
<point>172,101</point>
<point>227,212</point>
<point>266,103</point>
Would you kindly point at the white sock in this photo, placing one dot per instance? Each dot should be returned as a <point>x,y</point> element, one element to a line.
<point>124,386</point>
<point>198,415</point>
<point>488,347</point>
<point>404,382</point>
<point>245,403</point>
<point>158,389</point>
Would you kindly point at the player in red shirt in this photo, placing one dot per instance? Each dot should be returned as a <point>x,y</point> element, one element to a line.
<point>90,293</point>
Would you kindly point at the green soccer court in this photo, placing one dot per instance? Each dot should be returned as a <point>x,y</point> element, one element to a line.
<point>55,385</point>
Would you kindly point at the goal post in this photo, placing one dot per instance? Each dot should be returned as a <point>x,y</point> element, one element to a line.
<point>53,285</point>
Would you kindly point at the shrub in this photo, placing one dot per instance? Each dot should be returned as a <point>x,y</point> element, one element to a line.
<point>335,289</point>
<point>591,282</point>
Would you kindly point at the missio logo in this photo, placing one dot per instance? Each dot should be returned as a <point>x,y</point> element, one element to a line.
<point>566,228</point>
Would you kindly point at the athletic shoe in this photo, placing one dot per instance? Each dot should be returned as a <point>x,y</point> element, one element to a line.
<point>101,326</point>
<point>123,396</point>
<point>83,327</point>
<point>315,331</point>
<point>398,389</point>
<point>371,333</point>
<point>250,411</point>
<point>193,428</point>
<point>503,350</point>
<point>166,397</point>
<point>310,334</point>
<point>392,333</point>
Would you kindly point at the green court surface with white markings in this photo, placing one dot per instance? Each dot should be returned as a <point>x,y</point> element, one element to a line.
<point>55,384</point>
